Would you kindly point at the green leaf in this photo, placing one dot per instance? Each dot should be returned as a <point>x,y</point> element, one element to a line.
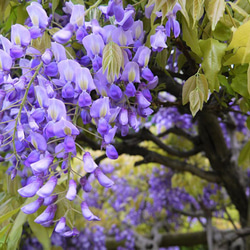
<point>240,36</point>
<point>222,32</point>
<point>40,232</point>
<point>190,36</point>
<point>202,85</point>
<point>184,10</point>
<point>215,10</point>
<point>248,79</point>
<point>4,232</point>
<point>238,9</point>
<point>8,215</point>
<point>3,6</point>
<point>197,11</point>
<point>112,60</point>
<point>16,231</point>
<point>244,157</point>
<point>239,57</point>
<point>55,3</point>
<point>196,101</point>
<point>188,87</point>
<point>42,43</point>
<point>213,51</point>
<point>239,85</point>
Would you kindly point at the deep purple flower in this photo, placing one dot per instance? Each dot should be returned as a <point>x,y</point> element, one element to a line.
<point>87,214</point>
<point>71,194</point>
<point>48,188</point>
<point>115,93</point>
<point>33,206</point>
<point>84,99</point>
<point>141,100</point>
<point>70,233</point>
<point>69,145</point>
<point>111,152</point>
<point>86,186</point>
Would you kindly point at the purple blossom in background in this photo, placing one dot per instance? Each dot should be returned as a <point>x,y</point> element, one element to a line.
<point>172,23</point>
<point>158,40</point>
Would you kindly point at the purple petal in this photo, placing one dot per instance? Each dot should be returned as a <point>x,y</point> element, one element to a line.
<point>47,215</point>
<point>60,227</point>
<point>103,179</point>
<point>33,206</point>
<point>111,152</point>
<point>86,186</point>
<point>87,214</point>
<point>89,164</point>
<point>50,200</point>
<point>71,194</point>
<point>48,188</point>
<point>43,164</point>
<point>31,189</point>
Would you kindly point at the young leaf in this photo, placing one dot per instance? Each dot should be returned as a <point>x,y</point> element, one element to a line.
<point>202,85</point>
<point>197,10</point>
<point>248,78</point>
<point>240,85</point>
<point>213,51</point>
<point>184,10</point>
<point>240,36</point>
<point>8,215</point>
<point>112,60</point>
<point>196,102</point>
<point>188,87</point>
<point>215,10</point>
<point>190,36</point>
<point>244,157</point>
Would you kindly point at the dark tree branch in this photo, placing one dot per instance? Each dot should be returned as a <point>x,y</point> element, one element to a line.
<point>147,135</point>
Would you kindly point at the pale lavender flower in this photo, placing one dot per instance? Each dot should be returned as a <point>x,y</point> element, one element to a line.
<point>131,73</point>
<point>71,194</point>
<point>60,227</point>
<point>77,15</point>
<point>93,44</point>
<point>100,108</point>
<point>43,164</point>
<point>20,35</point>
<point>89,163</point>
<point>47,215</point>
<point>103,179</point>
<point>48,188</point>
<point>33,206</point>
<point>87,214</point>
<point>56,109</point>
<point>31,189</point>
<point>5,61</point>
<point>158,40</point>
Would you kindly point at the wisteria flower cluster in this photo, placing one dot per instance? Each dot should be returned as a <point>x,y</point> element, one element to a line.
<point>44,91</point>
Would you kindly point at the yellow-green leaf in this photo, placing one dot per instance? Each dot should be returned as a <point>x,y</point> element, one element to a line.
<point>248,78</point>
<point>238,9</point>
<point>190,36</point>
<point>215,10</point>
<point>202,85</point>
<point>188,87</point>
<point>184,10</point>
<point>197,10</point>
<point>240,36</point>
<point>42,43</point>
<point>8,215</point>
<point>112,60</point>
<point>213,51</point>
<point>196,102</point>
<point>238,56</point>
<point>244,157</point>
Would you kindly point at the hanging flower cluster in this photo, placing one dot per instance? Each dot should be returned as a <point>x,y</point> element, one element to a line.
<point>41,102</point>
